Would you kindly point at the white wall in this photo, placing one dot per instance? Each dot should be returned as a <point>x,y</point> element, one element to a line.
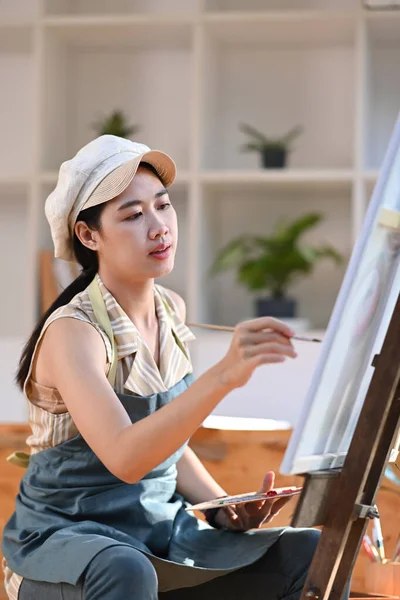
<point>13,408</point>
<point>274,391</point>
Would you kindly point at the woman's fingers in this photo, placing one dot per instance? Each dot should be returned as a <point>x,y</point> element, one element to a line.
<point>279,504</point>
<point>268,508</point>
<point>266,359</point>
<point>272,507</point>
<point>252,515</point>
<point>243,516</point>
<point>232,517</point>
<point>265,343</point>
<point>261,337</point>
<point>270,348</point>
<point>276,508</point>
<point>256,342</point>
<point>262,323</point>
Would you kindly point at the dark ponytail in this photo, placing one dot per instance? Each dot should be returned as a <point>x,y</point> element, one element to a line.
<point>89,262</point>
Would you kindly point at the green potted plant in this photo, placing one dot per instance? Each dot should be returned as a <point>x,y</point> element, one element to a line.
<point>271,264</point>
<point>273,151</point>
<point>116,123</point>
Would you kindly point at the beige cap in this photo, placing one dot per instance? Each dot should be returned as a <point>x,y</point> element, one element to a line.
<point>99,172</point>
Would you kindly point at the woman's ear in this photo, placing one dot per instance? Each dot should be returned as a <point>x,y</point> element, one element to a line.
<point>88,237</point>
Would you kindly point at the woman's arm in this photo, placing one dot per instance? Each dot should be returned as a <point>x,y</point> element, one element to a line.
<point>74,355</point>
<point>194,482</point>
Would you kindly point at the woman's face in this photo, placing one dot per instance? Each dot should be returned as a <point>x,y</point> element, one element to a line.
<point>139,232</point>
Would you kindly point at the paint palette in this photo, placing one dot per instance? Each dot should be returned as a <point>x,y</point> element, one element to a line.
<point>250,497</point>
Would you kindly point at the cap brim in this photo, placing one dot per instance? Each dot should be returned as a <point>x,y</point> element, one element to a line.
<point>118,180</point>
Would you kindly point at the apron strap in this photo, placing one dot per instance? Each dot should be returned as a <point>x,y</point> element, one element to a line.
<point>102,318</point>
<point>21,459</point>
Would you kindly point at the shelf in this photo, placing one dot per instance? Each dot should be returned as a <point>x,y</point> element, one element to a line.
<point>283,28</point>
<point>10,190</point>
<point>280,178</point>
<point>382,85</point>
<point>152,84</point>
<point>121,31</point>
<point>227,214</point>
<point>300,6</point>
<point>14,181</point>
<point>384,26</point>
<point>50,177</point>
<point>127,7</point>
<point>316,90</point>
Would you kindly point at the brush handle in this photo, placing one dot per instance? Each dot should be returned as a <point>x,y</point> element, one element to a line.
<point>301,338</point>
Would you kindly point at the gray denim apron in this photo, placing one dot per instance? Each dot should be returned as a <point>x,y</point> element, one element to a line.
<point>70,507</point>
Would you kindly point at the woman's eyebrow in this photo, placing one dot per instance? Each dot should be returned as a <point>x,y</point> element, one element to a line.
<point>131,203</point>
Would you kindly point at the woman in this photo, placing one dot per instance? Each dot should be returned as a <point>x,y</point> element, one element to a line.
<point>107,374</point>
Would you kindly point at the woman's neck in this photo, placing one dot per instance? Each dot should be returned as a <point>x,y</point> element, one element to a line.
<point>136,299</point>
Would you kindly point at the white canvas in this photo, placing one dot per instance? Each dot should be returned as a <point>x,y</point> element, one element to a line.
<point>355,333</point>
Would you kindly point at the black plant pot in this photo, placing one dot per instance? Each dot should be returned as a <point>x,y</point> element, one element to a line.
<point>276,307</point>
<point>273,158</point>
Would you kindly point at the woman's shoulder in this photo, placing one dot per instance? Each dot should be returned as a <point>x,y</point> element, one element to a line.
<point>79,307</point>
<point>56,331</point>
<point>175,302</point>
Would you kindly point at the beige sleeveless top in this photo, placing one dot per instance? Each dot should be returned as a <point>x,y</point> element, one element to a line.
<point>136,372</point>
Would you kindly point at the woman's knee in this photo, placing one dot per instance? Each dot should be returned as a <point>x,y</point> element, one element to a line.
<point>306,540</point>
<point>122,566</point>
<point>298,546</point>
<point>302,542</point>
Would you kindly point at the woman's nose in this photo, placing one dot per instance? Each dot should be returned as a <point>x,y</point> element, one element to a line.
<point>159,230</point>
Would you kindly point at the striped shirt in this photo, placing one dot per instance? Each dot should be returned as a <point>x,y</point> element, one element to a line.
<point>137,371</point>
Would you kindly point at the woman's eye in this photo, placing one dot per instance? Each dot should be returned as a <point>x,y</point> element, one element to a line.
<point>134,217</point>
<point>165,205</point>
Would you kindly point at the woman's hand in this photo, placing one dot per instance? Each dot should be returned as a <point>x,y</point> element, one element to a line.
<point>256,342</point>
<point>252,515</point>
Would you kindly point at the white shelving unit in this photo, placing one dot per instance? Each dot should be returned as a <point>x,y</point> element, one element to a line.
<point>187,72</point>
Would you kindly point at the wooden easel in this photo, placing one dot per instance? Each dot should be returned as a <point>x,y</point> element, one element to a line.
<point>343,500</point>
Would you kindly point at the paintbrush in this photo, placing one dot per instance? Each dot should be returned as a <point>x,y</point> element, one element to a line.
<point>301,338</point>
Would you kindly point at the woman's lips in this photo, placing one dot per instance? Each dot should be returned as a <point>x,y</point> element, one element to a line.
<point>161,254</point>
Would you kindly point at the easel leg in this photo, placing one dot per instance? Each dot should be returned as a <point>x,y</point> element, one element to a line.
<point>348,559</point>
